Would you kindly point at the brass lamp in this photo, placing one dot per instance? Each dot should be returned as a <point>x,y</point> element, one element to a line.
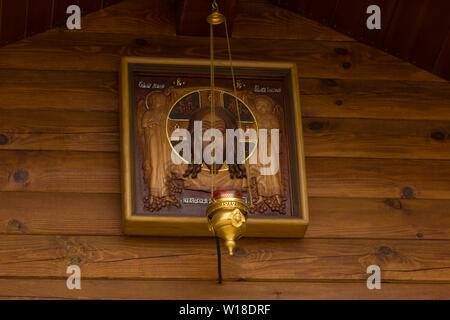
<point>227,212</point>
<point>227,216</point>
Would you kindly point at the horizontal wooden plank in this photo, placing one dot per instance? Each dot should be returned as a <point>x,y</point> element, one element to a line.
<point>46,121</point>
<point>55,171</point>
<point>97,142</point>
<point>90,214</point>
<point>206,290</point>
<point>60,213</point>
<point>327,177</point>
<point>336,98</point>
<point>194,258</point>
<point>265,20</point>
<point>378,178</point>
<point>328,59</point>
<point>325,137</point>
<point>147,17</point>
<point>87,91</point>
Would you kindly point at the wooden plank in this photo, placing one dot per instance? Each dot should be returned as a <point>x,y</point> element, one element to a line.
<point>43,121</point>
<point>60,213</point>
<point>322,10</point>
<point>39,16</point>
<point>96,142</point>
<point>350,17</point>
<point>405,27</point>
<point>379,218</point>
<point>335,98</point>
<point>90,214</point>
<point>107,3</point>
<point>442,65</point>
<point>139,17</point>
<point>195,258</point>
<point>264,20</point>
<point>314,59</point>
<point>191,17</point>
<point>54,90</point>
<point>205,290</point>
<point>59,12</point>
<point>327,177</point>
<point>375,99</point>
<point>88,6</point>
<point>361,138</point>
<point>294,5</point>
<point>378,178</point>
<point>324,137</point>
<point>54,171</point>
<point>13,20</point>
<point>432,35</point>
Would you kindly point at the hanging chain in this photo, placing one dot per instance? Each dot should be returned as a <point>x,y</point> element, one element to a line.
<point>213,110</point>
<point>215,6</point>
<point>233,78</point>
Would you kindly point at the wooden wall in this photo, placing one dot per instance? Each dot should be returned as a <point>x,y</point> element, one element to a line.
<point>414,30</point>
<point>23,18</point>
<point>377,140</point>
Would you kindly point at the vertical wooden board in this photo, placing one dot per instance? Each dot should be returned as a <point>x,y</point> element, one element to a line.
<point>88,6</point>
<point>351,18</point>
<point>39,16</point>
<point>404,27</point>
<point>321,10</point>
<point>107,3</point>
<point>59,11</point>
<point>191,17</point>
<point>13,20</point>
<point>376,37</point>
<point>298,6</point>
<point>442,65</point>
<point>432,35</point>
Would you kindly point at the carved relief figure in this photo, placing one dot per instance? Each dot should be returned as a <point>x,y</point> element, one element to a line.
<point>196,178</point>
<point>156,150</point>
<point>270,189</point>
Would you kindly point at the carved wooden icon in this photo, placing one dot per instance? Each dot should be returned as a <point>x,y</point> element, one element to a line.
<point>163,197</point>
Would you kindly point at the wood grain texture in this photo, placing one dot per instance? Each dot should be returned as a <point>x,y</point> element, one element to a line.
<point>13,21</point>
<point>362,138</point>
<point>314,59</point>
<point>145,17</point>
<point>90,214</point>
<point>336,98</point>
<point>378,178</point>
<point>324,137</point>
<point>327,177</point>
<point>376,136</point>
<point>57,171</point>
<point>206,290</point>
<point>39,16</point>
<point>50,121</point>
<point>56,90</point>
<point>194,258</point>
<point>264,20</point>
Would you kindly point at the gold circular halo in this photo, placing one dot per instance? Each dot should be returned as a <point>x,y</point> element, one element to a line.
<point>222,93</point>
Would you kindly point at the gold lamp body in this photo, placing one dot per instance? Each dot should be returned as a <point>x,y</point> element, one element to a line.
<point>227,217</point>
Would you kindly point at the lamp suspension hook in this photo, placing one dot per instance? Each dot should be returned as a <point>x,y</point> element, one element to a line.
<point>215,6</point>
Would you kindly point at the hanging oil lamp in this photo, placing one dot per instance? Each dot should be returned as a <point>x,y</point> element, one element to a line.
<point>227,211</point>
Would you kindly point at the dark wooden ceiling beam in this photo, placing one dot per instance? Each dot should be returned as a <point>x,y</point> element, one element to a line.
<point>191,16</point>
